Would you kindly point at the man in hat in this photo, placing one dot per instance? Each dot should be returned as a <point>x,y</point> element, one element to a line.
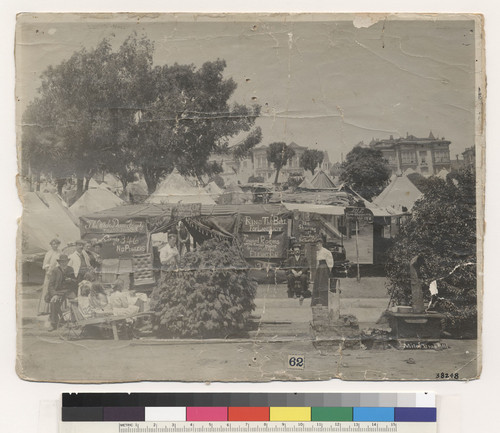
<point>62,285</point>
<point>169,254</point>
<point>297,272</point>
<point>79,260</point>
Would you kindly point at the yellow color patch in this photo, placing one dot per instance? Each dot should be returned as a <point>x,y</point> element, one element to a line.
<point>290,414</point>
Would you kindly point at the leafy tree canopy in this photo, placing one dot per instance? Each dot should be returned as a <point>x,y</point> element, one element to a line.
<point>279,154</point>
<point>118,112</point>
<point>310,159</point>
<point>366,171</point>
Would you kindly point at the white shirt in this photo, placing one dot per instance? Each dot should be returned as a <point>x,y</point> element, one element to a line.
<point>76,263</point>
<point>168,255</point>
<point>324,254</point>
<point>50,260</point>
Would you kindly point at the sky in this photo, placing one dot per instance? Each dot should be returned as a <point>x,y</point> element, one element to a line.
<point>324,84</point>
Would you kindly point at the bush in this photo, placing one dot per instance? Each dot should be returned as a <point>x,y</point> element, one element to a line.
<point>443,231</point>
<point>212,296</point>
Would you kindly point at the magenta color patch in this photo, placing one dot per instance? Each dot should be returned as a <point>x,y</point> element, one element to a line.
<point>206,414</point>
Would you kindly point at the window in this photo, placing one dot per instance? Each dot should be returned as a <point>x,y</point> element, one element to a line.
<point>423,156</point>
<point>442,156</point>
<point>408,157</point>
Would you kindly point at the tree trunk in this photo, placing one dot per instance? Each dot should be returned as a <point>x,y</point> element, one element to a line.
<point>79,188</point>
<point>37,182</point>
<point>151,181</point>
<point>277,174</point>
<point>60,183</point>
<point>87,181</point>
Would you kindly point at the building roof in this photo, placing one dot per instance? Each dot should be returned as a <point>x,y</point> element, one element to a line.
<point>409,139</point>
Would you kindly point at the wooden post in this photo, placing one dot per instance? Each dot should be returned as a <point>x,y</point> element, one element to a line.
<point>357,250</point>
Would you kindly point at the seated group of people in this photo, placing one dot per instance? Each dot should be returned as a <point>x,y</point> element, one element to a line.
<point>93,301</point>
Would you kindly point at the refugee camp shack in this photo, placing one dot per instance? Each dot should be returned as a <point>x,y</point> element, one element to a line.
<point>126,233</point>
<point>45,217</point>
<point>233,194</point>
<point>94,200</point>
<point>365,235</point>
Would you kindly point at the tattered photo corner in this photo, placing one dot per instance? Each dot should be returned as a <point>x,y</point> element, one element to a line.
<point>250,197</point>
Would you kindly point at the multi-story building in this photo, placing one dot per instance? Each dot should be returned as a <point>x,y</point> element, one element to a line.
<point>427,156</point>
<point>469,156</point>
<point>258,165</point>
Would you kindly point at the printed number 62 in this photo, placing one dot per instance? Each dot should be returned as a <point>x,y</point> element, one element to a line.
<point>296,361</point>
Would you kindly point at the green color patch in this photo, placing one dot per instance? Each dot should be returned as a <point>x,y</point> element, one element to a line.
<point>331,414</point>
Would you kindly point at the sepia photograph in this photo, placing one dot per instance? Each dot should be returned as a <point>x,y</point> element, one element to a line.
<point>249,197</point>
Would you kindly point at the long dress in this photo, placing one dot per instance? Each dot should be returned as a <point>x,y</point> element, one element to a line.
<point>49,263</point>
<point>321,285</point>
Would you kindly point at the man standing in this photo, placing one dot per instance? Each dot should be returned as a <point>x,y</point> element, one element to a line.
<point>297,270</point>
<point>62,285</point>
<point>169,254</point>
<point>184,239</point>
<point>324,265</point>
<point>79,260</point>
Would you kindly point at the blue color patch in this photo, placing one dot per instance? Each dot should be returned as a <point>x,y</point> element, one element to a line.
<point>373,414</point>
<point>415,414</point>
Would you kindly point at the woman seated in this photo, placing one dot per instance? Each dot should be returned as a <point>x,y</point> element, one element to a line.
<point>98,301</point>
<point>118,300</point>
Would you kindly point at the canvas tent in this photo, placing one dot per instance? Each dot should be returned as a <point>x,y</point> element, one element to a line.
<point>45,217</point>
<point>176,189</point>
<point>320,181</point>
<point>94,200</point>
<point>443,173</point>
<point>401,192</point>
<point>213,190</point>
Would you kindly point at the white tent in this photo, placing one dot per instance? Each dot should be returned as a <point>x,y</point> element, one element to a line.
<point>94,200</point>
<point>176,189</point>
<point>213,190</point>
<point>401,192</point>
<point>443,173</point>
<point>45,217</point>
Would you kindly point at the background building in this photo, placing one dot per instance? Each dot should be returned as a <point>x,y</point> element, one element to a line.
<point>426,156</point>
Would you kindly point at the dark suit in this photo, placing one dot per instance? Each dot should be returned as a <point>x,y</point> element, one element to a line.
<point>298,265</point>
<point>62,285</point>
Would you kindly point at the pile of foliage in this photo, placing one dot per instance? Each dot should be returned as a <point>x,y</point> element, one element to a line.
<point>212,296</point>
<point>366,171</point>
<point>443,231</point>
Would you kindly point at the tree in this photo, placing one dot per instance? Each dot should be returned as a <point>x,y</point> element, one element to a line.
<point>365,171</point>
<point>115,111</point>
<point>443,231</point>
<point>279,154</point>
<point>310,159</point>
<point>189,120</point>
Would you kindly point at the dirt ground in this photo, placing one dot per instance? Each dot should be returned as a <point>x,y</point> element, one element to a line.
<point>284,331</point>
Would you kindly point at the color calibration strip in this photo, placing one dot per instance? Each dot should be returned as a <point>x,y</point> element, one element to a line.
<point>335,407</point>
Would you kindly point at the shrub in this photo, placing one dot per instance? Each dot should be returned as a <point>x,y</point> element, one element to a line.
<point>443,231</point>
<point>211,296</point>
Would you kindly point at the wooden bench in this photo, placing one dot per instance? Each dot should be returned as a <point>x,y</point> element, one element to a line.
<point>77,323</point>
